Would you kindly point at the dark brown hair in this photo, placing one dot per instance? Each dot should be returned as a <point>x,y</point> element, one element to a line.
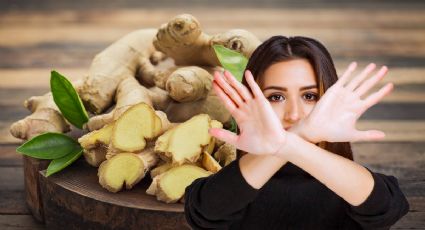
<point>281,48</point>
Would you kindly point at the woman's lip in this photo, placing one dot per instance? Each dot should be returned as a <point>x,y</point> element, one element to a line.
<point>288,127</point>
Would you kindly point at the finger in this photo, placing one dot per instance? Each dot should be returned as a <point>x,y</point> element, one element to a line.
<point>369,83</point>
<point>224,135</point>
<point>344,78</point>
<point>228,89</point>
<point>359,78</point>
<point>228,103</point>
<point>377,96</point>
<point>369,135</point>
<point>241,89</point>
<point>255,89</point>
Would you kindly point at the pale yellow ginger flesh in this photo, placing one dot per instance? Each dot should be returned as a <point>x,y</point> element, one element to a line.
<point>122,169</point>
<point>210,147</point>
<point>160,169</point>
<point>101,136</point>
<point>209,163</point>
<point>185,142</point>
<point>95,144</point>
<point>171,185</point>
<point>126,169</point>
<point>134,126</point>
<point>152,188</point>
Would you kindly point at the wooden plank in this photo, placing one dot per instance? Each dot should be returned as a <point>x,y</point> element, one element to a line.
<point>11,179</point>
<point>412,220</point>
<point>12,203</point>
<point>35,35</point>
<point>416,203</point>
<point>236,4</point>
<point>390,154</point>
<point>396,130</point>
<point>8,155</point>
<point>21,222</point>
<point>331,17</point>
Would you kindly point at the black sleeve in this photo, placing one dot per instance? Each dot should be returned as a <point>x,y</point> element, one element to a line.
<point>384,206</point>
<point>216,201</point>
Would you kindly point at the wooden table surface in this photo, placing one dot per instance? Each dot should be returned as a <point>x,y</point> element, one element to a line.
<point>36,37</point>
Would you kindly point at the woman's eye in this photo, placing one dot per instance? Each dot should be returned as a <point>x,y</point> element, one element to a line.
<point>311,96</point>
<point>275,98</point>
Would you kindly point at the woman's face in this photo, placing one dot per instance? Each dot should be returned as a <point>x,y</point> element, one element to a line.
<point>291,89</point>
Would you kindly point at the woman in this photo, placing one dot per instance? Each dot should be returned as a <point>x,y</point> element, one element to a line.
<point>298,170</point>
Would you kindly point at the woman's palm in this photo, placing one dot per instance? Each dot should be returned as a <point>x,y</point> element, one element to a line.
<point>334,117</point>
<point>261,131</point>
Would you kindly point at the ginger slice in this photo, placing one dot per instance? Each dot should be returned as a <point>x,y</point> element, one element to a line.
<point>209,163</point>
<point>134,126</point>
<point>171,185</point>
<point>95,144</point>
<point>185,142</point>
<point>94,138</point>
<point>126,169</point>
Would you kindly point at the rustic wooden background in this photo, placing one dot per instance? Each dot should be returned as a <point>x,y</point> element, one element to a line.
<point>38,36</point>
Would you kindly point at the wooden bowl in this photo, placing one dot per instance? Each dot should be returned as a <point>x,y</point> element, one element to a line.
<point>73,198</point>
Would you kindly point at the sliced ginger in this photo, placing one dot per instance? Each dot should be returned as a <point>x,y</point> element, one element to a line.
<point>134,126</point>
<point>95,144</point>
<point>123,168</point>
<point>171,185</point>
<point>126,169</point>
<point>185,142</point>
<point>209,163</point>
<point>94,138</point>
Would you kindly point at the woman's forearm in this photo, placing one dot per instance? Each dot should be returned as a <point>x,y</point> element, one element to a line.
<point>258,169</point>
<point>346,178</point>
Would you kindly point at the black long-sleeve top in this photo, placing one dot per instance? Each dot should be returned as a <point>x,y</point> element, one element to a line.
<point>291,199</point>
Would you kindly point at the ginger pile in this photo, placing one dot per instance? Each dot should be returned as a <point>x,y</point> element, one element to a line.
<point>146,115</point>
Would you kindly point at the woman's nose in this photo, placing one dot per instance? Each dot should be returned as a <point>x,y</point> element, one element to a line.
<point>292,112</point>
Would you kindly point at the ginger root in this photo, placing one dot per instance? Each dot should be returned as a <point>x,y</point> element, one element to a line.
<point>183,40</point>
<point>123,59</point>
<point>225,154</point>
<point>211,105</point>
<point>129,93</point>
<point>126,169</point>
<point>170,185</point>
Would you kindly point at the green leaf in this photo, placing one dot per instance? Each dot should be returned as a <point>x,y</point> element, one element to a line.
<point>233,125</point>
<point>48,146</point>
<point>57,165</point>
<point>67,100</point>
<point>231,60</point>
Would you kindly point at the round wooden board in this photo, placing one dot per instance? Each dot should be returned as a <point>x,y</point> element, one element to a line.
<point>74,199</point>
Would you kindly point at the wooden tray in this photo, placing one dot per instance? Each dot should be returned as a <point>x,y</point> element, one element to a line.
<point>74,199</point>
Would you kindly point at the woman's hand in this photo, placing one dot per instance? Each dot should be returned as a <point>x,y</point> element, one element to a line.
<point>261,131</point>
<point>334,117</point>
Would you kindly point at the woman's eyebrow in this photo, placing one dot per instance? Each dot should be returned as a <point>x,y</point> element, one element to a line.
<point>285,89</point>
